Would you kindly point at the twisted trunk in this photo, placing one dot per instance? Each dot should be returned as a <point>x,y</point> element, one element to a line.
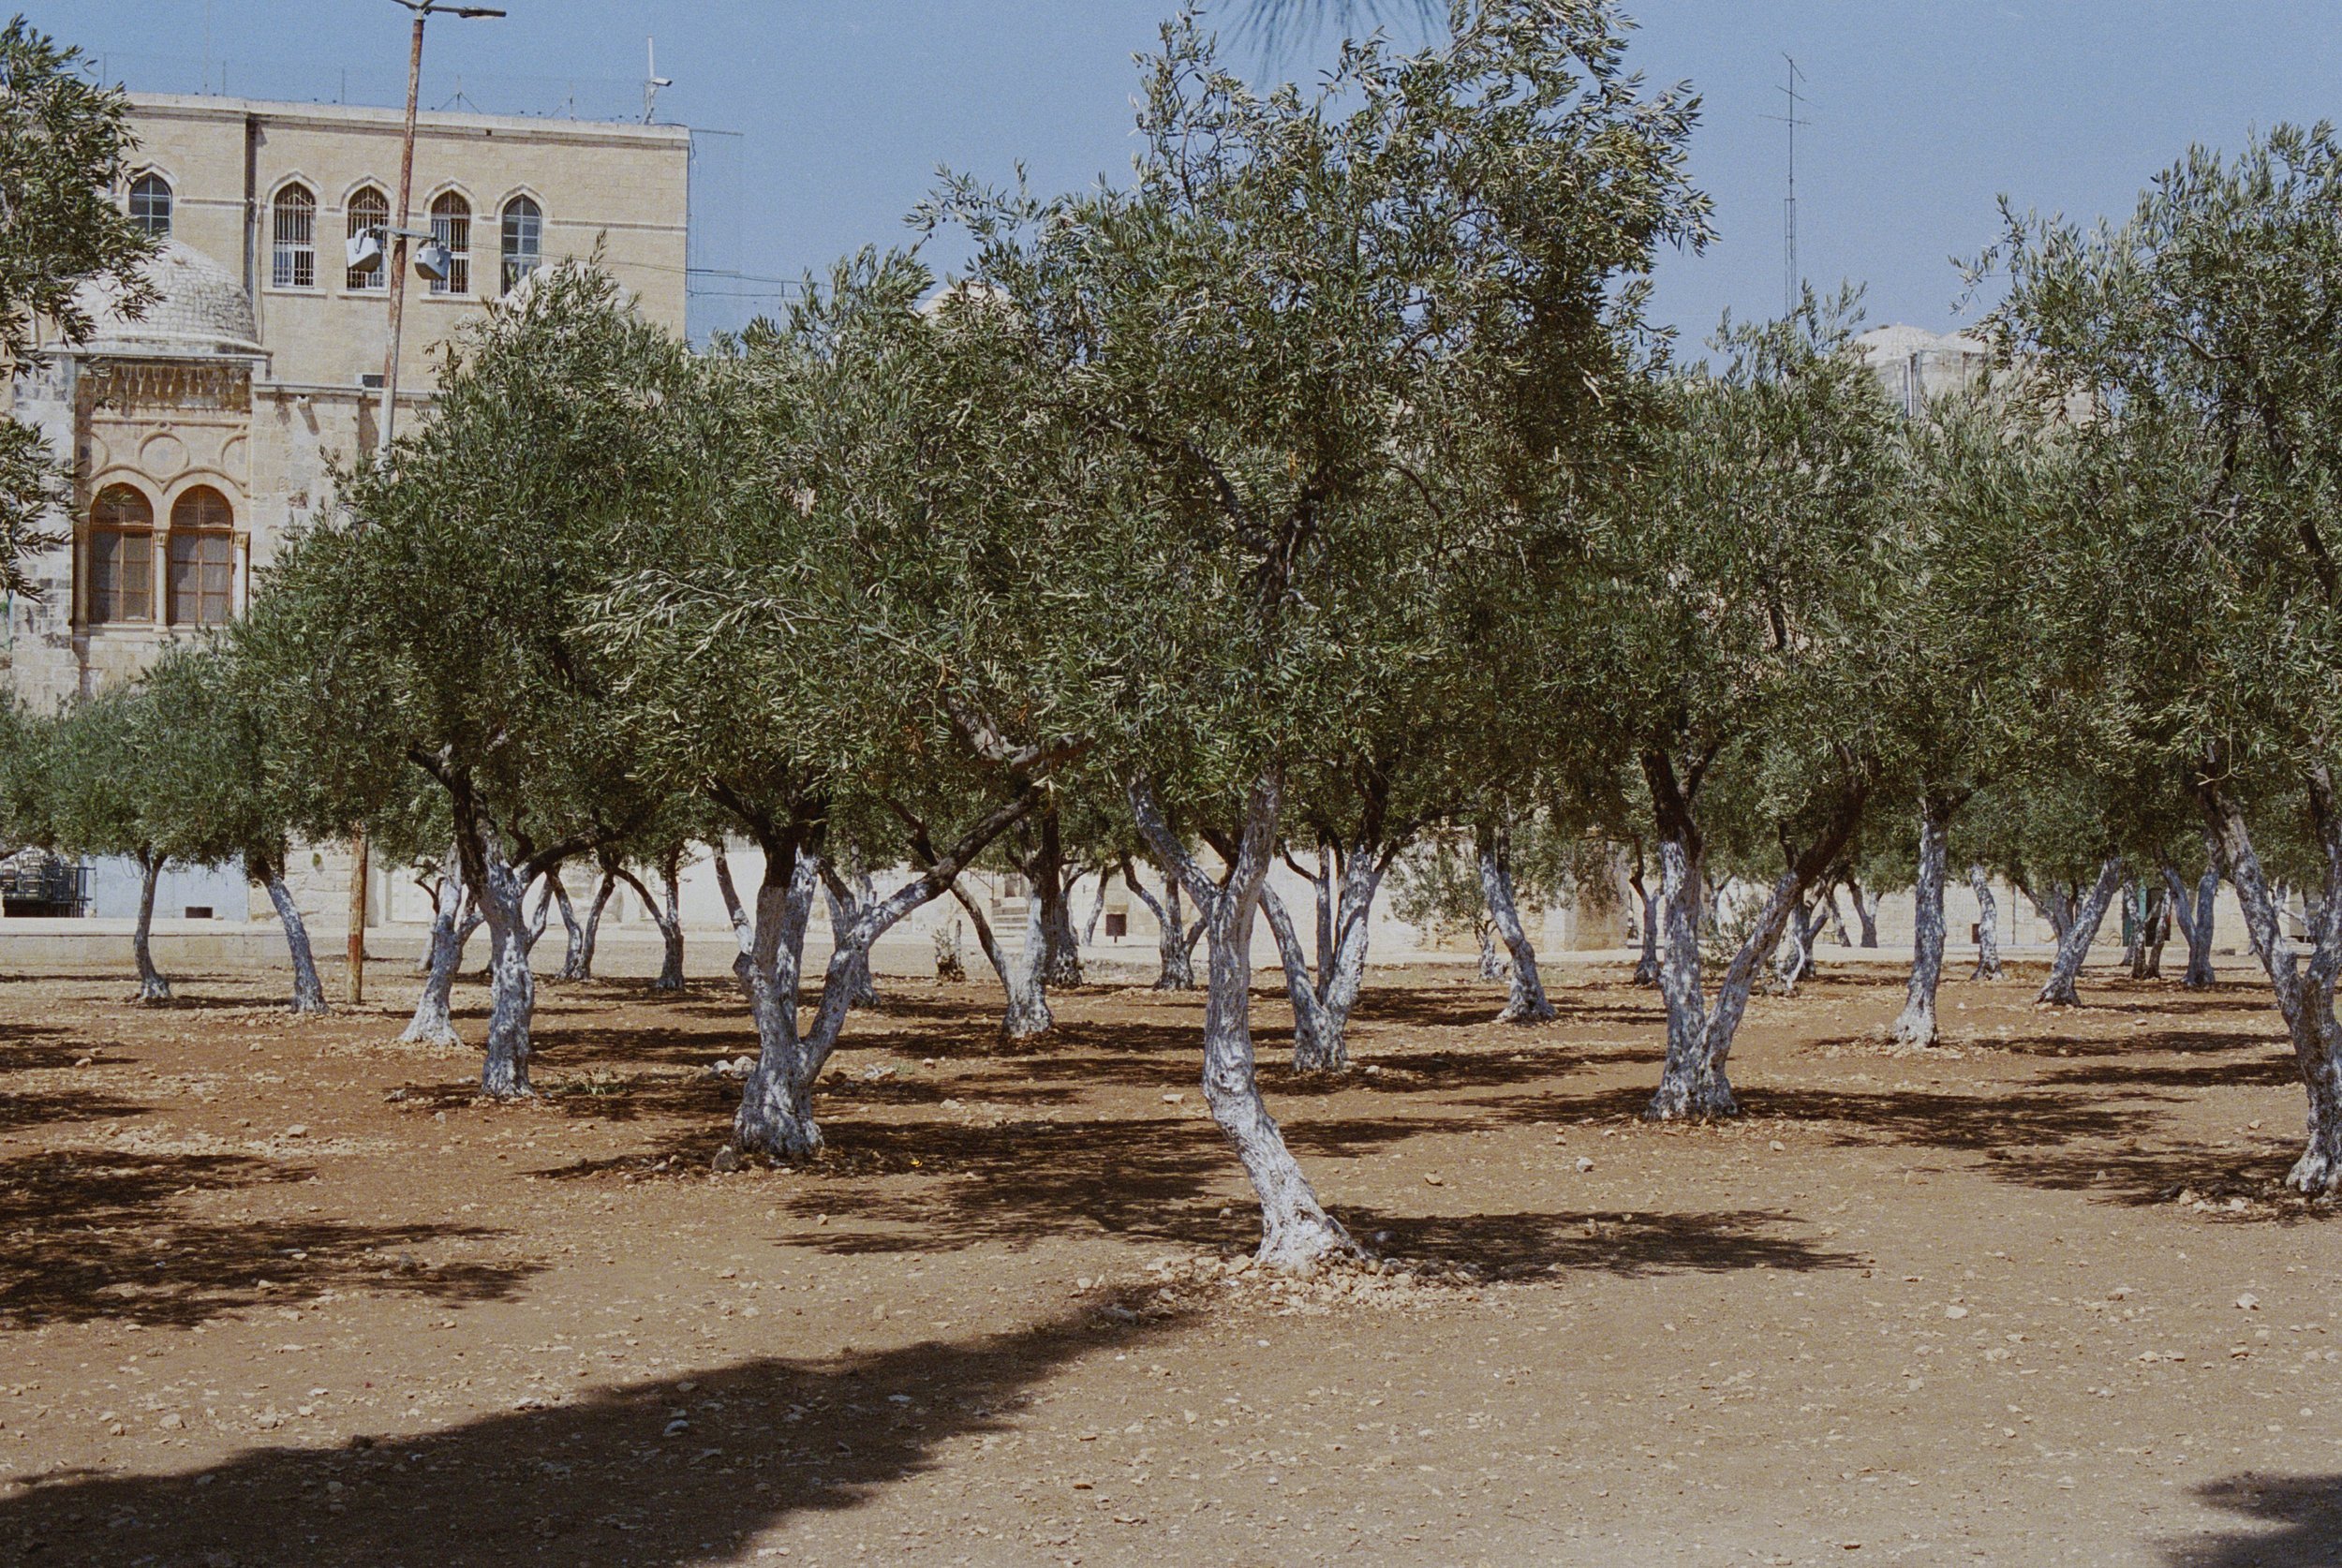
<point>1837,917</point>
<point>2193,915</point>
<point>1525,1001</point>
<point>1987,926</point>
<point>1917,1024</point>
<point>2154,929</point>
<point>1026,1009</point>
<point>2305,993</point>
<point>1296,1230</point>
<point>1174,944</point>
<point>308,993</point>
<point>845,905</point>
<point>603,889</point>
<point>1693,1082</point>
<point>666,913</point>
<point>1795,959</point>
<point>1646,966</point>
<point>511,984</point>
<point>1321,1005</point>
<point>574,952</point>
<point>153,985</point>
<point>1060,954</point>
<point>2082,929</point>
<point>776,1113</point>
<point>1865,911</point>
<point>454,918</point>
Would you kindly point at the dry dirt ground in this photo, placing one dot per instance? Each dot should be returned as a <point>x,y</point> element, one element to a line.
<point>283,1293</point>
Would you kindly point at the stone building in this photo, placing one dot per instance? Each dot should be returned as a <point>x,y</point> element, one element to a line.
<point>202,432</point>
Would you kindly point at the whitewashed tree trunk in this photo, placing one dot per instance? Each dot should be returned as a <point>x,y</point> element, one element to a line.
<point>1174,944</point>
<point>1865,911</point>
<point>454,919</point>
<point>1917,1025</point>
<point>2305,995</point>
<point>2197,915</point>
<point>153,986</point>
<point>1321,1005</point>
<point>1695,1082</point>
<point>1525,1001</point>
<point>1296,1230</point>
<point>1058,954</point>
<point>1838,932</point>
<point>1646,966</point>
<point>308,993</point>
<point>2154,931</point>
<point>1987,925</point>
<point>2073,946</point>
<point>511,984</point>
<point>666,914</point>
<point>1023,985</point>
<point>844,906</point>
<point>592,938</point>
<point>573,949</point>
<point>776,1113</point>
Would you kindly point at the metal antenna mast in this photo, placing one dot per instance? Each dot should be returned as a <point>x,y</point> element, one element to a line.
<point>1791,282</point>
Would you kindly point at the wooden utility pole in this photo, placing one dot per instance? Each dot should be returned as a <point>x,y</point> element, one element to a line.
<point>385,426</point>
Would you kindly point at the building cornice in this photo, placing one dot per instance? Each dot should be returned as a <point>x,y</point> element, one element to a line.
<point>334,116</point>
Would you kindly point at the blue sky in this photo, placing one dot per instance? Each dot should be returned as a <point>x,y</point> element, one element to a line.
<point>1922,110</point>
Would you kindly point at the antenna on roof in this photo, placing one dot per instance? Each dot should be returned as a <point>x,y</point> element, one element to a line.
<point>652,81</point>
<point>1791,283</point>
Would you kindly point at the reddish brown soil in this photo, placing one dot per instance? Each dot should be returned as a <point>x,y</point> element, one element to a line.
<point>283,1293</point>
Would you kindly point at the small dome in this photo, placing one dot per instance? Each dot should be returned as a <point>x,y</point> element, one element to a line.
<point>202,309</point>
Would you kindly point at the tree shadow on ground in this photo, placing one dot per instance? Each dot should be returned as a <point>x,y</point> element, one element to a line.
<point>2302,1514</point>
<point>93,1234</point>
<point>2141,1043</point>
<point>1646,1244</point>
<point>2262,1069</point>
<point>611,1479</point>
<point>2145,1179</point>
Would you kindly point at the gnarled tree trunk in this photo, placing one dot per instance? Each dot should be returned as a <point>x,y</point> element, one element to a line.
<point>2305,993</point>
<point>1987,925</point>
<point>592,938</point>
<point>511,984</point>
<point>1321,1005</point>
<point>1175,943</point>
<point>1865,911</point>
<point>574,952</point>
<point>1060,955</point>
<point>2082,929</point>
<point>2193,914</point>
<point>1026,1009</point>
<point>454,917</point>
<point>1693,1082</point>
<point>1525,1001</point>
<point>666,914</point>
<point>1916,1026</point>
<point>1296,1230</point>
<point>153,986</point>
<point>1647,965</point>
<point>308,993</point>
<point>845,904</point>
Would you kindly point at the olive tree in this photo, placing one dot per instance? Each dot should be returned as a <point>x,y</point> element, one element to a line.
<point>1291,346</point>
<point>2200,332</point>
<point>434,625</point>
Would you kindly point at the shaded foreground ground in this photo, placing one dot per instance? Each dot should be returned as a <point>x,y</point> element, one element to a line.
<point>280,1293</point>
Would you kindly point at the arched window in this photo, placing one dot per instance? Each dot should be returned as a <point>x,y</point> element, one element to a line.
<point>120,556</point>
<point>293,253</point>
<point>451,225</point>
<point>202,558</point>
<point>150,205</point>
<point>524,233</point>
<point>369,209</point>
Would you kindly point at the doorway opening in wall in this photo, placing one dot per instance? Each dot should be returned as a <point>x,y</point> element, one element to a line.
<point>1117,927</point>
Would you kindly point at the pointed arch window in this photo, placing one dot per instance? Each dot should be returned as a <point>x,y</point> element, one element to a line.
<point>202,558</point>
<point>150,205</point>
<point>524,240</point>
<point>369,210</point>
<point>294,238</point>
<point>451,225</point>
<point>120,556</point>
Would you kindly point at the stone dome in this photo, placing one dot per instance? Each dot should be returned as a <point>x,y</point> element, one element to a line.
<point>202,309</point>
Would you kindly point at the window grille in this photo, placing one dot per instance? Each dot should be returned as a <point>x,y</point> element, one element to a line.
<point>451,225</point>
<point>369,209</point>
<point>293,255</point>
